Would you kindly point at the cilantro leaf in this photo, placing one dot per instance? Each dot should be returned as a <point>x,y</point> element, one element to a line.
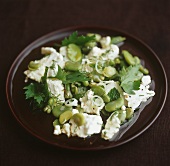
<point>78,40</point>
<point>113,94</point>
<point>130,78</point>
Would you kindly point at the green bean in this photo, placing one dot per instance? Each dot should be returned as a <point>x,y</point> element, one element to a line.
<point>106,98</point>
<point>33,65</point>
<point>98,90</point>
<point>78,119</point>
<point>67,93</point>
<point>72,66</point>
<point>85,83</point>
<point>65,116</point>
<point>90,44</point>
<point>56,111</point>
<point>137,60</point>
<point>117,61</point>
<point>128,57</point>
<point>109,71</point>
<point>74,53</point>
<point>97,36</point>
<point>117,39</point>
<point>47,109</point>
<point>129,113</point>
<point>144,70</point>
<point>114,105</point>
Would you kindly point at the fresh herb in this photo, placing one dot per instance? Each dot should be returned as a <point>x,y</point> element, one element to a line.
<point>78,40</point>
<point>38,92</point>
<point>130,78</point>
<point>114,94</point>
<point>61,74</point>
<point>76,77</point>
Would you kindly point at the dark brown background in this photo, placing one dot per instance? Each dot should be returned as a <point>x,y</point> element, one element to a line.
<point>23,21</point>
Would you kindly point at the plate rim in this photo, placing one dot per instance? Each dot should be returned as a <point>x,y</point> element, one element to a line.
<point>66,29</point>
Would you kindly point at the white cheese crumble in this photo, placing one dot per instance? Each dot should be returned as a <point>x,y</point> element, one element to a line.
<point>112,126</point>
<point>105,41</point>
<point>139,96</point>
<point>93,125</point>
<point>57,130</point>
<point>54,58</point>
<point>86,66</point>
<point>71,102</point>
<point>56,89</point>
<point>92,103</point>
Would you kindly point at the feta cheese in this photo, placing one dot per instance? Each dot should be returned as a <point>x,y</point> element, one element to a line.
<point>47,61</point>
<point>141,95</point>
<point>146,80</point>
<point>66,129</point>
<point>57,130</point>
<point>92,103</point>
<point>112,52</point>
<point>56,89</point>
<point>93,125</point>
<point>71,102</point>
<point>96,52</point>
<point>105,41</point>
<point>112,126</point>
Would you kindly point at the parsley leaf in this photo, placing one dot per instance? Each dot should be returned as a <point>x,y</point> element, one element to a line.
<point>61,74</point>
<point>113,94</point>
<point>38,92</point>
<point>76,77</point>
<point>78,40</point>
<point>130,78</point>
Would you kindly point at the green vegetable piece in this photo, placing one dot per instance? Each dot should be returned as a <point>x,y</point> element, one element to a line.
<point>98,90</point>
<point>97,36</point>
<point>67,92</point>
<point>72,66</point>
<point>128,57</point>
<point>78,119</point>
<point>33,65</point>
<point>117,39</point>
<point>129,113</point>
<point>143,70</point>
<point>106,98</point>
<point>56,122</point>
<point>114,105</point>
<point>137,60</point>
<point>74,53</point>
<point>85,83</point>
<point>109,71</point>
<point>56,111</point>
<point>90,44</point>
<point>65,116</point>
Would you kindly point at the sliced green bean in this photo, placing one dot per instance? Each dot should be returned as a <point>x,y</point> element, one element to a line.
<point>114,105</point>
<point>117,39</point>
<point>74,53</point>
<point>128,57</point>
<point>33,65</point>
<point>106,98</point>
<point>65,116</point>
<point>109,71</point>
<point>72,66</point>
<point>144,70</point>
<point>78,119</point>
<point>98,90</point>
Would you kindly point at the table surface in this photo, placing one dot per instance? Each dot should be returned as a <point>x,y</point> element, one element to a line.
<point>21,22</point>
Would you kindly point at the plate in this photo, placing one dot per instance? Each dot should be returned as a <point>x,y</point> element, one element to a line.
<point>40,125</point>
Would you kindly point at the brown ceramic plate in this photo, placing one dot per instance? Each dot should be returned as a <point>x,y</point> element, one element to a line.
<point>40,124</point>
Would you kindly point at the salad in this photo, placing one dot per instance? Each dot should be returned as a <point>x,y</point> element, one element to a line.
<point>89,84</point>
